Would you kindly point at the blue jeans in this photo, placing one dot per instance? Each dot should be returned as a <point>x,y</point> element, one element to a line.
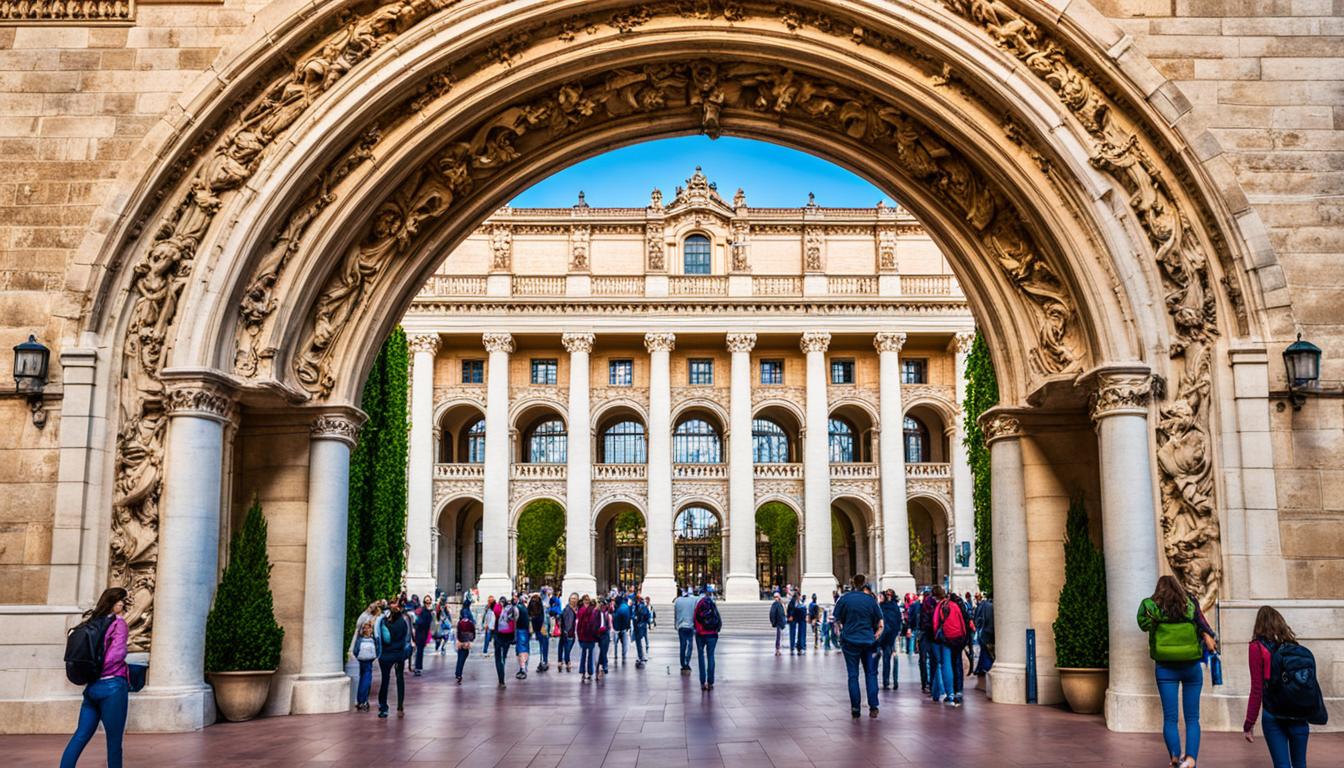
<point>641,642</point>
<point>779,637</point>
<point>365,681</point>
<point>462,654</point>
<point>503,644</point>
<point>603,643</point>
<point>566,645</point>
<point>586,657</point>
<point>798,635</point>
<point>544,640</point>
<point>485,647</point>
<point>687,639</point>
<point>1287,741</point>
<point>940,671</point>
<point>891,673</point>
<point>1180,680</point>
<point>104,701</point>
<point>704,646</point>
<point>854,655</point>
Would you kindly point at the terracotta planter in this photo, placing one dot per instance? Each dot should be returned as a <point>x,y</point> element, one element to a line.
<point>1084,689</point>
<point>240,696</point>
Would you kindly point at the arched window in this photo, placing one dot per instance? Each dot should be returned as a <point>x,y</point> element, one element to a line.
<point>696,524</point>
<point>769,442</point>
<point>697,557</point>
<point>841,441</point>
<point>623,443</point>
<point>916,441</point>
<point>546,443</point>
<point>695,252</point>
<point>474,442</point>
<point>695,441</point>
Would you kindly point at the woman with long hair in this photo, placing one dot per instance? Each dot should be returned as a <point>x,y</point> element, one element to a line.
<point>569,619</point>
<point>394,633</point>
<point>1285,737</point>
<point>106,698</point>
<point>1178,635</point>
<point>586,626</point>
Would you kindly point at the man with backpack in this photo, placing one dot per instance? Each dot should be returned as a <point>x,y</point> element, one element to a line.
<point>683,610</point>
<point>951,632</point>
<point>708,623</point>
<point>506,622</point>
<point>643,616</point>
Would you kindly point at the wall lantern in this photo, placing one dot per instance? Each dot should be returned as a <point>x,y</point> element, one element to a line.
<point>30,375</point>
<point>1302,359</point>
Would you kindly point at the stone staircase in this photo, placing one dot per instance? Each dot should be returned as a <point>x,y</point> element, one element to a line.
<point>738,618</point>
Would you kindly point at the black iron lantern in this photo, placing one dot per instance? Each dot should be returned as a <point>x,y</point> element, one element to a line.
<point>31,359</point>
<point>1302,359</point>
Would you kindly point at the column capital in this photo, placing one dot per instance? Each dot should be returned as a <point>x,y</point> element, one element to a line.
<point>204,394</point>
<point>498,342</point>
<point>1000,425</point>
<point>741,342</point>
<point>889,341</point>
<point>1116,392</point>
<point>342,426</point>
<point>660,342</point>
<point>962,341</point>
<point>578,342</point>
<point>815,341</point>
<point>423,342</point>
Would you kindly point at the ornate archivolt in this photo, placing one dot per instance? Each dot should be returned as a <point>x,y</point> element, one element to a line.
<point>1190,528</point>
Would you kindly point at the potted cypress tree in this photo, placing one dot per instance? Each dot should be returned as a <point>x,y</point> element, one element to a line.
<point>1082,645</point>
<point>242,638</point>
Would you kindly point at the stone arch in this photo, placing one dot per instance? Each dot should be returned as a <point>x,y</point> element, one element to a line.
<point>451,419</point>
<point>937,509</point>
<point>451,561</point>
<point>601,411</point>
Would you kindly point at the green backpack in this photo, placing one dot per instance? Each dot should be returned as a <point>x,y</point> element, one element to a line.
<point>1173,639</point>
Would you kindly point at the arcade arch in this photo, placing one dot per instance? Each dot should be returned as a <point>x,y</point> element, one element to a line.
<point>930,560</point>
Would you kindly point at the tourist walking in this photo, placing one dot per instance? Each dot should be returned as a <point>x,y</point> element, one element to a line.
<point>797,624</point>
<point>984,634</point>
<point>1283,676</point>
<point>424,624</point>
<point>586,625</point>
<point>466,635</point>
<point>506,624</point>
<point>951,630</point>
<point>99,655</point>
<point>604,613</point>
<point>708,624</point>
<point>536,615</point>
<point>642,618</point>
<point>778,621</point>
<point>814,620</point>
<point>858,619</point>
<point>683,610</point>
<point>488,619</point>
<point>569,619</point>
<point>365,648</point>
<point>522,633</point>
<point>891,630</point>
<point>924,638</point>
<point>1178,635</point>
<point>394,631</point>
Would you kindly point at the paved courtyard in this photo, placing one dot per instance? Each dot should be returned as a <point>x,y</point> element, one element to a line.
<point>765,711</point>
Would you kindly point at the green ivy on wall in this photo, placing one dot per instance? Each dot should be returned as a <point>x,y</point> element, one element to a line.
<point>982,393</point>
<point>376,532</point>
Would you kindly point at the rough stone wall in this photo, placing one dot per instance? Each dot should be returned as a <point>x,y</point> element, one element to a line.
<point>1268,78</point>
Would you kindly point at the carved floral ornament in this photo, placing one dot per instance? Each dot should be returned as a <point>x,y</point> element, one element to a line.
<point>578,342</point>
<point>423,342</point>
<point>497,342</point>
<point>889,341</point>
<point>660,342</point>
<point>66,11</point>
<point>998,426</point>
<point>1121,393</point>
<point>815,341</point>
<point>336,426</point>
<point>741,342</point>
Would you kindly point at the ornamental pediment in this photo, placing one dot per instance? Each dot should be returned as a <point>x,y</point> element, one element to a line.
<point>699,198</point>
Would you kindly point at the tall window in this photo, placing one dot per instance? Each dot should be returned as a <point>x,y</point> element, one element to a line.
<point>544,370</point>
<point>697,548</point>
<point>696,255</point>
<point>475,442</point>
<point>473,371</point>
<point>914,370</point>
<point>842,371</point>
<point>841,441</point>
<point>621,373</point>
<point>546,443</point>
<point>916,441</point>
<point>695,441</point>
<point>623,443</point>
<point>772,371</point>
<point>702,370</point>
<point>769,442</point>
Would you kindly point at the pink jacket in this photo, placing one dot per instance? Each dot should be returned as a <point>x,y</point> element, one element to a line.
<point>114,658</point>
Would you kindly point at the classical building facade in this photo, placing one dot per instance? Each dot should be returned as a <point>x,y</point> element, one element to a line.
<point>691,361</point>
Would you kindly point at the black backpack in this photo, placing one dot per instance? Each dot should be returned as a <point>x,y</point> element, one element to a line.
<point>85,646</point>
<point>708,614</point>
<point>1292,690</point>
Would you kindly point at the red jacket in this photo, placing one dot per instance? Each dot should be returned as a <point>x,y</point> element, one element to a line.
<point>1260,658</point>
<point>585,625</point>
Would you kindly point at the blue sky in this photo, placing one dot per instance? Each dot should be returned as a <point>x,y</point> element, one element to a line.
<point>772,176</point>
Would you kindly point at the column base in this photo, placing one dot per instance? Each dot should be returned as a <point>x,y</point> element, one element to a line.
<point>662,589</point>
<point>320,694</point>
<point>821,585</point>
<point>496,584</point>
<point>901,583</point>
<point>577,584</point>
<point>421,586</point>
<point>171,710</point>
<point>741,588</point>
<point>1133,712</point>
<point>1008,683</point>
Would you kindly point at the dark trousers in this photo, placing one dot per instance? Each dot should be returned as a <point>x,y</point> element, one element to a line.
<point>603,643</point>
<point>686,637</point>
<point>544,640</point>
<point>1287,741</point>
<point>104,702</point>
<point>865,656</point>
<point>798,636</point>
<point>386,665</point>
<point>420,655</point>
<point>641,642</point>
<point>365,682</point>
<point>462,654</point>
<point>779,637</point>
<point>891,672</point>
<point>922,645</point>
<point>503,644</point>
<point>704,651</point>
<point>586,657</point>
<point>566,646</point>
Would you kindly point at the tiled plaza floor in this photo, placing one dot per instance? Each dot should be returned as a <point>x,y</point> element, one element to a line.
<point>785,712</point>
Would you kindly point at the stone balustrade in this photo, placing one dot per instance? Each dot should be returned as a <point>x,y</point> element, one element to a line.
<point>698,285</point>
<point>700,471</point>
<point>852,285</point>
<point>620,471</point>
<point>779,471</point>
<point>538,471</point>
<point>853,471</point>
<point>459,471</point>
<point>932,470</point>
<point>635,286</point>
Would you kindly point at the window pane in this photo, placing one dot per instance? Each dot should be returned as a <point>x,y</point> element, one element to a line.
<point>702,371</point>
<point>916,441</point>
<point>547,443</point>
<point>696,442</point>
<point>914,371</point>
<point>622,373</point>
<point>841,441</point>
<point>544,371</point>
<point>473,371</point>
<point>842,371</point>
<point>624,443</point>
<point>772,371</point>
<point>696,252</point>
<point>769,442</point>
<point>476,442</point>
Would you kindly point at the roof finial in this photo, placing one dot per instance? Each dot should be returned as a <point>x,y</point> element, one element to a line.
<point>582,202</point>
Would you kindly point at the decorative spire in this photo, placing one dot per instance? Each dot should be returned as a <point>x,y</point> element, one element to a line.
<point>583,203</point>
<point>740,199</point>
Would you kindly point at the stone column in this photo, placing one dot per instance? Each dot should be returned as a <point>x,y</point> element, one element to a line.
<point>818,575</point>
<point>579,575</point>
<point>1128,536</point>
<point>420,466</point>
<point>188,564</point>
<point>1012,597</point>
<point>963,508</point>
<point>494,564</point>
<point>891,465</point>
<point>322,685</point>
<point>741,583</point>
<point>659,581</point>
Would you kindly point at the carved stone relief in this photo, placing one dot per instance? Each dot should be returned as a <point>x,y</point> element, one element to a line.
<point>814,239</point>
<point>655,245</point>
<point>66,11</point>
<point>580,236</point>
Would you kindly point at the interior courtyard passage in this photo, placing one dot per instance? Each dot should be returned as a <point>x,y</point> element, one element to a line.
<point>766,710</point>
